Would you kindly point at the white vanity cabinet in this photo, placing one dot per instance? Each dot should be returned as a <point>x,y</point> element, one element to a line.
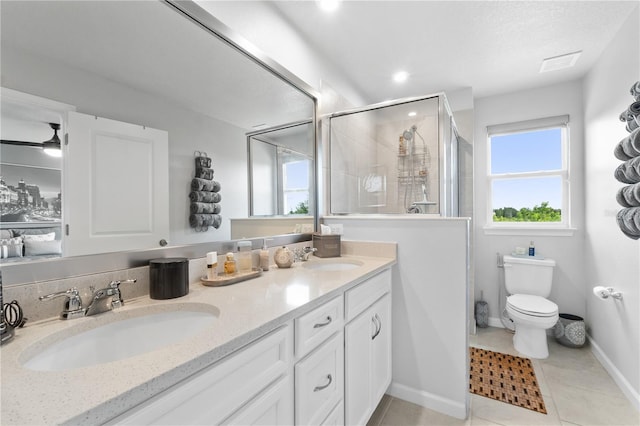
<point>254,385</point>
<point>312,371</point>
<point>367,347</point>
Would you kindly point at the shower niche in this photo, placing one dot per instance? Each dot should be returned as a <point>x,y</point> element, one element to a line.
<point>394,157</point>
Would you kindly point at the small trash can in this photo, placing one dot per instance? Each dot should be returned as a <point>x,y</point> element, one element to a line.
<point>168,278</point>
<point>482,312</point>
<point>570,331</point>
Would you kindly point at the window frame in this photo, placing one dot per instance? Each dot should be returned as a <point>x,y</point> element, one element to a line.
<point>531,228</point>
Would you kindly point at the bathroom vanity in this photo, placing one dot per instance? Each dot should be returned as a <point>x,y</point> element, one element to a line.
<point>305,345</point>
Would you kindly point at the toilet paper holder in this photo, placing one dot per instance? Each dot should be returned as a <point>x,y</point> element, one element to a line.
<point>605,292</point>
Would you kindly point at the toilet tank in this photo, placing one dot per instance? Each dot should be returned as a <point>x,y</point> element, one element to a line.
<point>524,275</point>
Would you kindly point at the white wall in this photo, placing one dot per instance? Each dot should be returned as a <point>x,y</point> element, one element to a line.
<point>568,281</point>
<point>429,306</point>
<point>611,258</point>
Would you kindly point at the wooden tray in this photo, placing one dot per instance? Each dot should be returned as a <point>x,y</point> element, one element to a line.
<point>222,280</point>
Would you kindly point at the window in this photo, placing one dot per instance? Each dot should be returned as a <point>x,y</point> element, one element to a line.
<point>528,174</point>
<point>295,176</point>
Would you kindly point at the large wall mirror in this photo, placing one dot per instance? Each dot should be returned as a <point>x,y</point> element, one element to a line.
<point>154,65</point>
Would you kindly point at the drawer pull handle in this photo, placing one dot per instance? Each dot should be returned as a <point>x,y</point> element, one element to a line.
<point>323,324</point>
<point>378,323</point>
<point>319,388</point>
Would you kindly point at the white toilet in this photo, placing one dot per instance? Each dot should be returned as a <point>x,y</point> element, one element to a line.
<point>528,281</point>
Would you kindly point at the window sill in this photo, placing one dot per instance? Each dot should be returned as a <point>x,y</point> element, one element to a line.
<point>529,231</point>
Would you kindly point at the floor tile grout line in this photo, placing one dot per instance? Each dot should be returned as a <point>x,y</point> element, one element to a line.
<point>621,396</point>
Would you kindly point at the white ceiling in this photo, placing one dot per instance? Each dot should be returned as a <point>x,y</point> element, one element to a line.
<point>491,46</point>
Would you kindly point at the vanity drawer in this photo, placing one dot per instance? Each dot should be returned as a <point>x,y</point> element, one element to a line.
<point>319,382</point>
<point>364,295</point>
<point>215,393</point>
<point>316,326</point>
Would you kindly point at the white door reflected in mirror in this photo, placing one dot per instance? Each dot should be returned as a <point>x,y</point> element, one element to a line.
<point>116,186</point>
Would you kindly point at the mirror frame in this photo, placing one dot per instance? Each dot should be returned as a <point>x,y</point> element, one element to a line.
<point>312,184</point>
<point>65,267</point>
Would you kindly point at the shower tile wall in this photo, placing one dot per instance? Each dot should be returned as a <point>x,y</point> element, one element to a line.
<point>365,145</point>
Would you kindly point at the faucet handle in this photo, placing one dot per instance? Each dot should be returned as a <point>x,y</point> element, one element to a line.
<point>72,305</point>
<point>116,301</point>
<point>116,284</point>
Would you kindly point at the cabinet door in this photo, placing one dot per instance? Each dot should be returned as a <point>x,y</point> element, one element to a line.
<point>367,361</point>
<point>272,407</point>
<point>115,186</point>
<point>381,349</point>
<point>358,367</point>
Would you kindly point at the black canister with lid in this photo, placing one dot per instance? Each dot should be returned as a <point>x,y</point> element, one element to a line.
<point>168,277</point>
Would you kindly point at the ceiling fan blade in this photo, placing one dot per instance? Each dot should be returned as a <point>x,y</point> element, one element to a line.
<point>21,143</point>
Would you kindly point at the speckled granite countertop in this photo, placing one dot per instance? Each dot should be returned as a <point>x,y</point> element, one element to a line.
<point>247,310</point>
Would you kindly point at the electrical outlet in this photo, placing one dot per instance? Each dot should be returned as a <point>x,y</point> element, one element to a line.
<point>337,229</point>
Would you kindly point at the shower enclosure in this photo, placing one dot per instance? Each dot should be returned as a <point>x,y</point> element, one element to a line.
<point>395,157</point>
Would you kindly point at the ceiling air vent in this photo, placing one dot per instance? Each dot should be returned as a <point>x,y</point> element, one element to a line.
<point>560,62</point>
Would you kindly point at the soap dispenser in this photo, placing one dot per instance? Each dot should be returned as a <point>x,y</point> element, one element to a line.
<point>283,257</point>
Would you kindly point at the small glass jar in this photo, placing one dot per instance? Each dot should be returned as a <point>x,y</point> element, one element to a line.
<point>230,264</point>
<point>244,256</point>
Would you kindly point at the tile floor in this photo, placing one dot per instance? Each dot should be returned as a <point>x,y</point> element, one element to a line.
<point>576,390</point>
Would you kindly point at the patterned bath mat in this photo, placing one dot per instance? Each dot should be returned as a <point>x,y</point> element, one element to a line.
<point>506,378</point>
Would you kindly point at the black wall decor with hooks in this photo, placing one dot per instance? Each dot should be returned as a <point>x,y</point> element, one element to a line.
<point>628,151</point>
<point>205,196</point>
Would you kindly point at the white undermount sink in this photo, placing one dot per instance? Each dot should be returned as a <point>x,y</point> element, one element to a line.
<point>333,265</point>
<point>122,338</point>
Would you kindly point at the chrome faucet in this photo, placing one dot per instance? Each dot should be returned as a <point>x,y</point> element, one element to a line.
<point>304,253</point>
<point>106,299</point>
<point>99,301</point>
<point>72,304</point>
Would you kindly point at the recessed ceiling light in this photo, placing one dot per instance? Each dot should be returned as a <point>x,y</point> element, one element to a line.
<point>328,5</point>
<point>400,76</point>
<point>560,62</point>
<point>413,114</point>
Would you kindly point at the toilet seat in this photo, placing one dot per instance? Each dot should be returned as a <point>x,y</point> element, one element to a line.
<point>535,306</point>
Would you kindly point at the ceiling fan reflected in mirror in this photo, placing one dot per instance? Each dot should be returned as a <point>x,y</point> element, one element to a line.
<point>51,147</point>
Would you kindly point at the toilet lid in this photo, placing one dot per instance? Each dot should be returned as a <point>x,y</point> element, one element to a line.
<point>536,305</point>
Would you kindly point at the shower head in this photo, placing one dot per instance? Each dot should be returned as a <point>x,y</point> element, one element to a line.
<point>409,134</point>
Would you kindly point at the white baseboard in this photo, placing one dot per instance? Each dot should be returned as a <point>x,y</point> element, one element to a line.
<point>621,381</point>
<point>428,400</point>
